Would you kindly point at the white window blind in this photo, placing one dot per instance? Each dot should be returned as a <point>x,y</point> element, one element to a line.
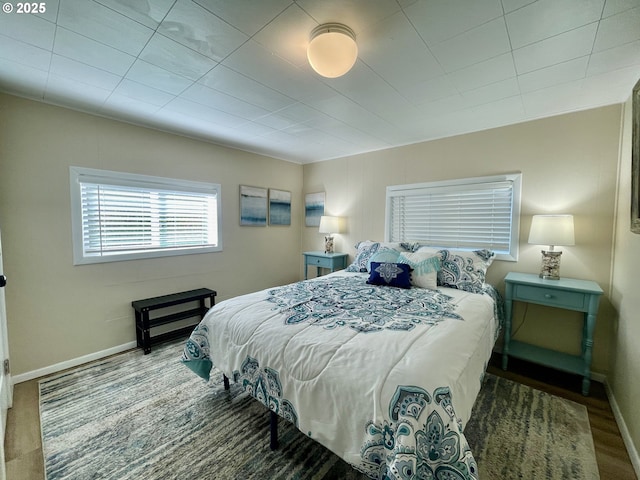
<point>119,216</point>
<point>472,214</point>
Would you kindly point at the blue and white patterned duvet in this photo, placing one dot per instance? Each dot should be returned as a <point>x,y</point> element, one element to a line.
<point>384,377</point>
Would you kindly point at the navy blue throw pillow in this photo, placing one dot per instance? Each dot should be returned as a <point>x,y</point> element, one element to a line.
<point>390,274</point>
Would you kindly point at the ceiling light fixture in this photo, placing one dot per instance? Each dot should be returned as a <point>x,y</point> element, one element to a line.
<point>332,49</point>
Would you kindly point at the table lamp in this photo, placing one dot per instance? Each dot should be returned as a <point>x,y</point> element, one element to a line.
<point>329,225</point>
<point>551,230</point>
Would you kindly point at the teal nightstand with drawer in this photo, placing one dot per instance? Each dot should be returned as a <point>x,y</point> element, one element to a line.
<point>566,293</point>
<point>332,261</point>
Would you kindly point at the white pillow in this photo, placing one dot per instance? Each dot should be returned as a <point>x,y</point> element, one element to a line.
<point>425,266</point>
<point>426,249</point>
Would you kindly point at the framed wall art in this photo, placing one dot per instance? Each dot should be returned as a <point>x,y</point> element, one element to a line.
<point>313,209</point>
<point>253,206</point>
<point>279,207</point>
<point>635,159</point>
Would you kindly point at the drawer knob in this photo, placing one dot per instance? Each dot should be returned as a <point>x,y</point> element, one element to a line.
<point>548,295</point>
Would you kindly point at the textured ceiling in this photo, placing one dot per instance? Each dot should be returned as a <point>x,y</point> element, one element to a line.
<point>234,72</point>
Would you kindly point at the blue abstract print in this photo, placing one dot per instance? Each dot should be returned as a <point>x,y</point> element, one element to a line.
<point>351,302</point>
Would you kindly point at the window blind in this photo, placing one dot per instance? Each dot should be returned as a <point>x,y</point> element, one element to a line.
<point>136,217</point>
<point>467,214</point>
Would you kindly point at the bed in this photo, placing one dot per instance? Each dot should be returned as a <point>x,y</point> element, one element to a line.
<point>382,372</point>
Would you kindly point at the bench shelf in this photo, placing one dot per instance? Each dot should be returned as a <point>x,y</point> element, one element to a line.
<point>144,322</point>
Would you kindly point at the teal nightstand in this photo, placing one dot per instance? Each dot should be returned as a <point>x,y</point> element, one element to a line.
<point>332,261</point>
<point>566,293</point>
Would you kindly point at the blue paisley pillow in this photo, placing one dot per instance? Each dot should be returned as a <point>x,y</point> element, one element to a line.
<point>390,274</point>
<point>464,270</point>
<point>365,250</point>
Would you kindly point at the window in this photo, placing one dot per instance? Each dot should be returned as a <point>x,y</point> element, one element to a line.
<point>121,216</point>
<point>471,213</point>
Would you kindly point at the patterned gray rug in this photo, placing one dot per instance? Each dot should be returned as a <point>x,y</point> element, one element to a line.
<point>147,417</point>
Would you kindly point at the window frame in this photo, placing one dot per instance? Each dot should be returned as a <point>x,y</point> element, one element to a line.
<point>108,177</point>
<point>462,184</point>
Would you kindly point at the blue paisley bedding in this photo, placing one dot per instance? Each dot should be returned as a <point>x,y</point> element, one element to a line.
<point>382,376</point>
<point>351,302</point>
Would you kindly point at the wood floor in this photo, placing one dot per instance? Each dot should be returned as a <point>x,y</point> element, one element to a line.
<point>23,448</point>
<point>613,460</point>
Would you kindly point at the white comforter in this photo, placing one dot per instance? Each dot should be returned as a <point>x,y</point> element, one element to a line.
<point>384,377</point>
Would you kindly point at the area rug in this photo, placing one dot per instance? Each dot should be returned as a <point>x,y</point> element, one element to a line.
<point>147,417</point>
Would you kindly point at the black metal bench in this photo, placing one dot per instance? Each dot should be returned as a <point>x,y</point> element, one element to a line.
<point>144,323</point>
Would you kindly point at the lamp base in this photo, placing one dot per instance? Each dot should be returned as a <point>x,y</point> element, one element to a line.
<point>550,269</point>
<point>328,244</point>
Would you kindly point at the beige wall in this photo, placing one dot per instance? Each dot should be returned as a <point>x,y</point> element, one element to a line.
<point>57,311</point>
<point>624,379</point>
<point>569,165</point>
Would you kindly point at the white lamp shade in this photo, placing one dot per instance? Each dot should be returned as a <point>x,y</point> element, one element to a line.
<point>330,224</point>
<point>552,230</point>
<point>332,50</point>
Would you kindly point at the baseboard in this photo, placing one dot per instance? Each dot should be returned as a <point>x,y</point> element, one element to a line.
<point>74,362</point>
<point>624,431</point>
<point>599,377</point>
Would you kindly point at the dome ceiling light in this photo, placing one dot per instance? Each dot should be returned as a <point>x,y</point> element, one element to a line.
<point>332,49</point>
